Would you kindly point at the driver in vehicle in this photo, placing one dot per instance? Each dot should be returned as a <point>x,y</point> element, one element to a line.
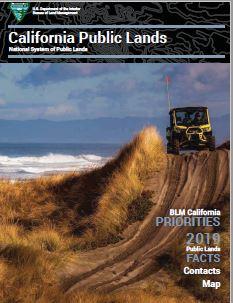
<point>197,119</point>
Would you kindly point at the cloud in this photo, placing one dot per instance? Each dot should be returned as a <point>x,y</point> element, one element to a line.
<point>21,114</point>
<point>129,97</point>
<point>200,77</point>
<point>111,89</point>
<point>53,73</point>
<point>60,110</point>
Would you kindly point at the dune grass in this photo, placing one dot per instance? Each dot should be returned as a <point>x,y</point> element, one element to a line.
<point>138,296</point>
<point>29,262</point>
<point>135,162</point>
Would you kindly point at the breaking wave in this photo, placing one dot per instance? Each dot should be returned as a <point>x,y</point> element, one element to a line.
<point>32,166</point>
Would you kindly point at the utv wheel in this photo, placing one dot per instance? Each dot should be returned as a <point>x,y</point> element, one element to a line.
<point>173,148</point>
<point>169,149</point>
<point>212,143</point>
<point>176,147</point>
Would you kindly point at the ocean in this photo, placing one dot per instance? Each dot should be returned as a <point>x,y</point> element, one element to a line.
<point>30,160</point>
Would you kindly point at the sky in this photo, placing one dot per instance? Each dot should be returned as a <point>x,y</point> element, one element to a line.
<point>65,91</point>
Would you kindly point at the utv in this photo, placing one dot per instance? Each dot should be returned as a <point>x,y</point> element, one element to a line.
<point>189,129</point>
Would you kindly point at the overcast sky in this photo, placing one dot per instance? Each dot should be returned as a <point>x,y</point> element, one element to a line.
<point>80,91</point>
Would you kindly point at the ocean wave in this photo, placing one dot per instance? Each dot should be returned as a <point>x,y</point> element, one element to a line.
<point>31,166</point>
<point>50,158</point>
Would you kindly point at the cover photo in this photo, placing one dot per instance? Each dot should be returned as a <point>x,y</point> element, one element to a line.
<point>115,152</point>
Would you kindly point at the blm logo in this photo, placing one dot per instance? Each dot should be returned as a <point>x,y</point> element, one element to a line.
<point>19,9</point>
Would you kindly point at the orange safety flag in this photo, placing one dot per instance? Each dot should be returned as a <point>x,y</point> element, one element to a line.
<point>168,79</point>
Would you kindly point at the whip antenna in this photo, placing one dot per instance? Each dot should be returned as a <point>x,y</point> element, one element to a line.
<point>168,80</point>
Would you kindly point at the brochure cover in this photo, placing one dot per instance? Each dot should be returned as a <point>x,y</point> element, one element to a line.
<point>115,152</point>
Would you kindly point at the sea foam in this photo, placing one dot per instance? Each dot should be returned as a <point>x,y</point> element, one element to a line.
<point>32,166</point>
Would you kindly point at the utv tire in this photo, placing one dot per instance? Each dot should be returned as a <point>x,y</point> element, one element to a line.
<point>173,148</point>
<point>176,147</point>
<point>169,149</point>
<point>212,143</point>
